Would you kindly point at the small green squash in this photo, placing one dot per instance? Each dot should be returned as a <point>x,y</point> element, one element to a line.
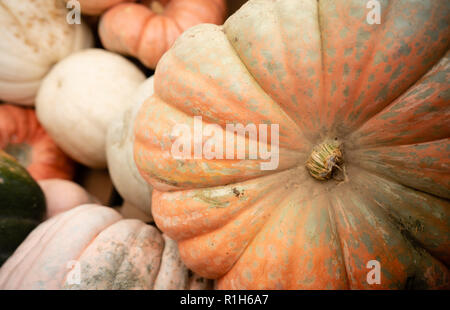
<point>22,205</point>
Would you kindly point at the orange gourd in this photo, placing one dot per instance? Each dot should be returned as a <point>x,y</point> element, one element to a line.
<point>147,30</point>
<point>23,137</point>
<point>364,148</point>
<point>96,7</point>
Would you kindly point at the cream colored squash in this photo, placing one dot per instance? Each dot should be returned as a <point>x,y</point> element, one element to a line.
<point>79,98</point>
<point>95,245</point>
<point>119,150</point>
<point>34,36</point>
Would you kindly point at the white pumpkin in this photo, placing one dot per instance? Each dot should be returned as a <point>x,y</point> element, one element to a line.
<point>93,247</point>
<point>34,36</point>
<point>119,151</point>
<point>79,98</point>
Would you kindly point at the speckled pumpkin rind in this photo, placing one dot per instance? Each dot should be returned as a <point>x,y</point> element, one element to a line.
<point>320,71</point>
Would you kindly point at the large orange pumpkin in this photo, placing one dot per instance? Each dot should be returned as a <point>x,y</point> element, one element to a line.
<point>148,30</point>
<point>23,137</point>
<point>364,150</point>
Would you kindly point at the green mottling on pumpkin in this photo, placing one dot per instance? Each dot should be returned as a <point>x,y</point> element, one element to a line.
<point>346,69</point>
<point>358,261</point>
<point>429,160</point>
<point>379,57</point>
<point>333,87</point>
<point>405,49</point>
<point>312,55</point>
<point>362,36</point>
<point>294,100</point>
<point>439,77</point>
<point>382,95</point>
<point>371,152</point>
<point>357,11</point>
<point>426,107</point>
<point>348,51</point>
<point>331,51</point>
<point>359,100</point>
<point>432,34</point>
<point>367,240</point>
<point>346,91</point>
<point>331,67</point>
<point>388,115</point>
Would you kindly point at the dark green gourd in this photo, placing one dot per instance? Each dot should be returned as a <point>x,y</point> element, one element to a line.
<point>22,205</point>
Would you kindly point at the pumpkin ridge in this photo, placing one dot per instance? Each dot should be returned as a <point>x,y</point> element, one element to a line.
<point>410,220</point>
<point>404,93</point>
<point>359,82</point>
<point>245,207</point>
<point>282,109</point>
<point>444,62</point>
<point>411,245</point>
<point>141,34</point>
<point>323,75</point>
<point>161,260</point>
<point>275,210</point>
<point>93,239</point>
<point>276,214</point>
<point>124,256</point>
<point>395,181</point>
<point>419,166</point>
<point>249,241</point>
<point>135,237</point>
<point>292,72</point>
<point>212,120</point>
<point>142,142</point>
<point>414,243</point>
<point>270,182</point>
<point>333,224</point>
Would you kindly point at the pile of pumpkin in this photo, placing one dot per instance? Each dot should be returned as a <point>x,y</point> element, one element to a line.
<point>376,94</point>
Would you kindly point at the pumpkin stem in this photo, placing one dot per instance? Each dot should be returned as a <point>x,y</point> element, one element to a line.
<point>157,7</point>
<point>324,159</point>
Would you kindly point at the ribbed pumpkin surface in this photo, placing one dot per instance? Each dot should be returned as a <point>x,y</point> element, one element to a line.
<point>321,72</point>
